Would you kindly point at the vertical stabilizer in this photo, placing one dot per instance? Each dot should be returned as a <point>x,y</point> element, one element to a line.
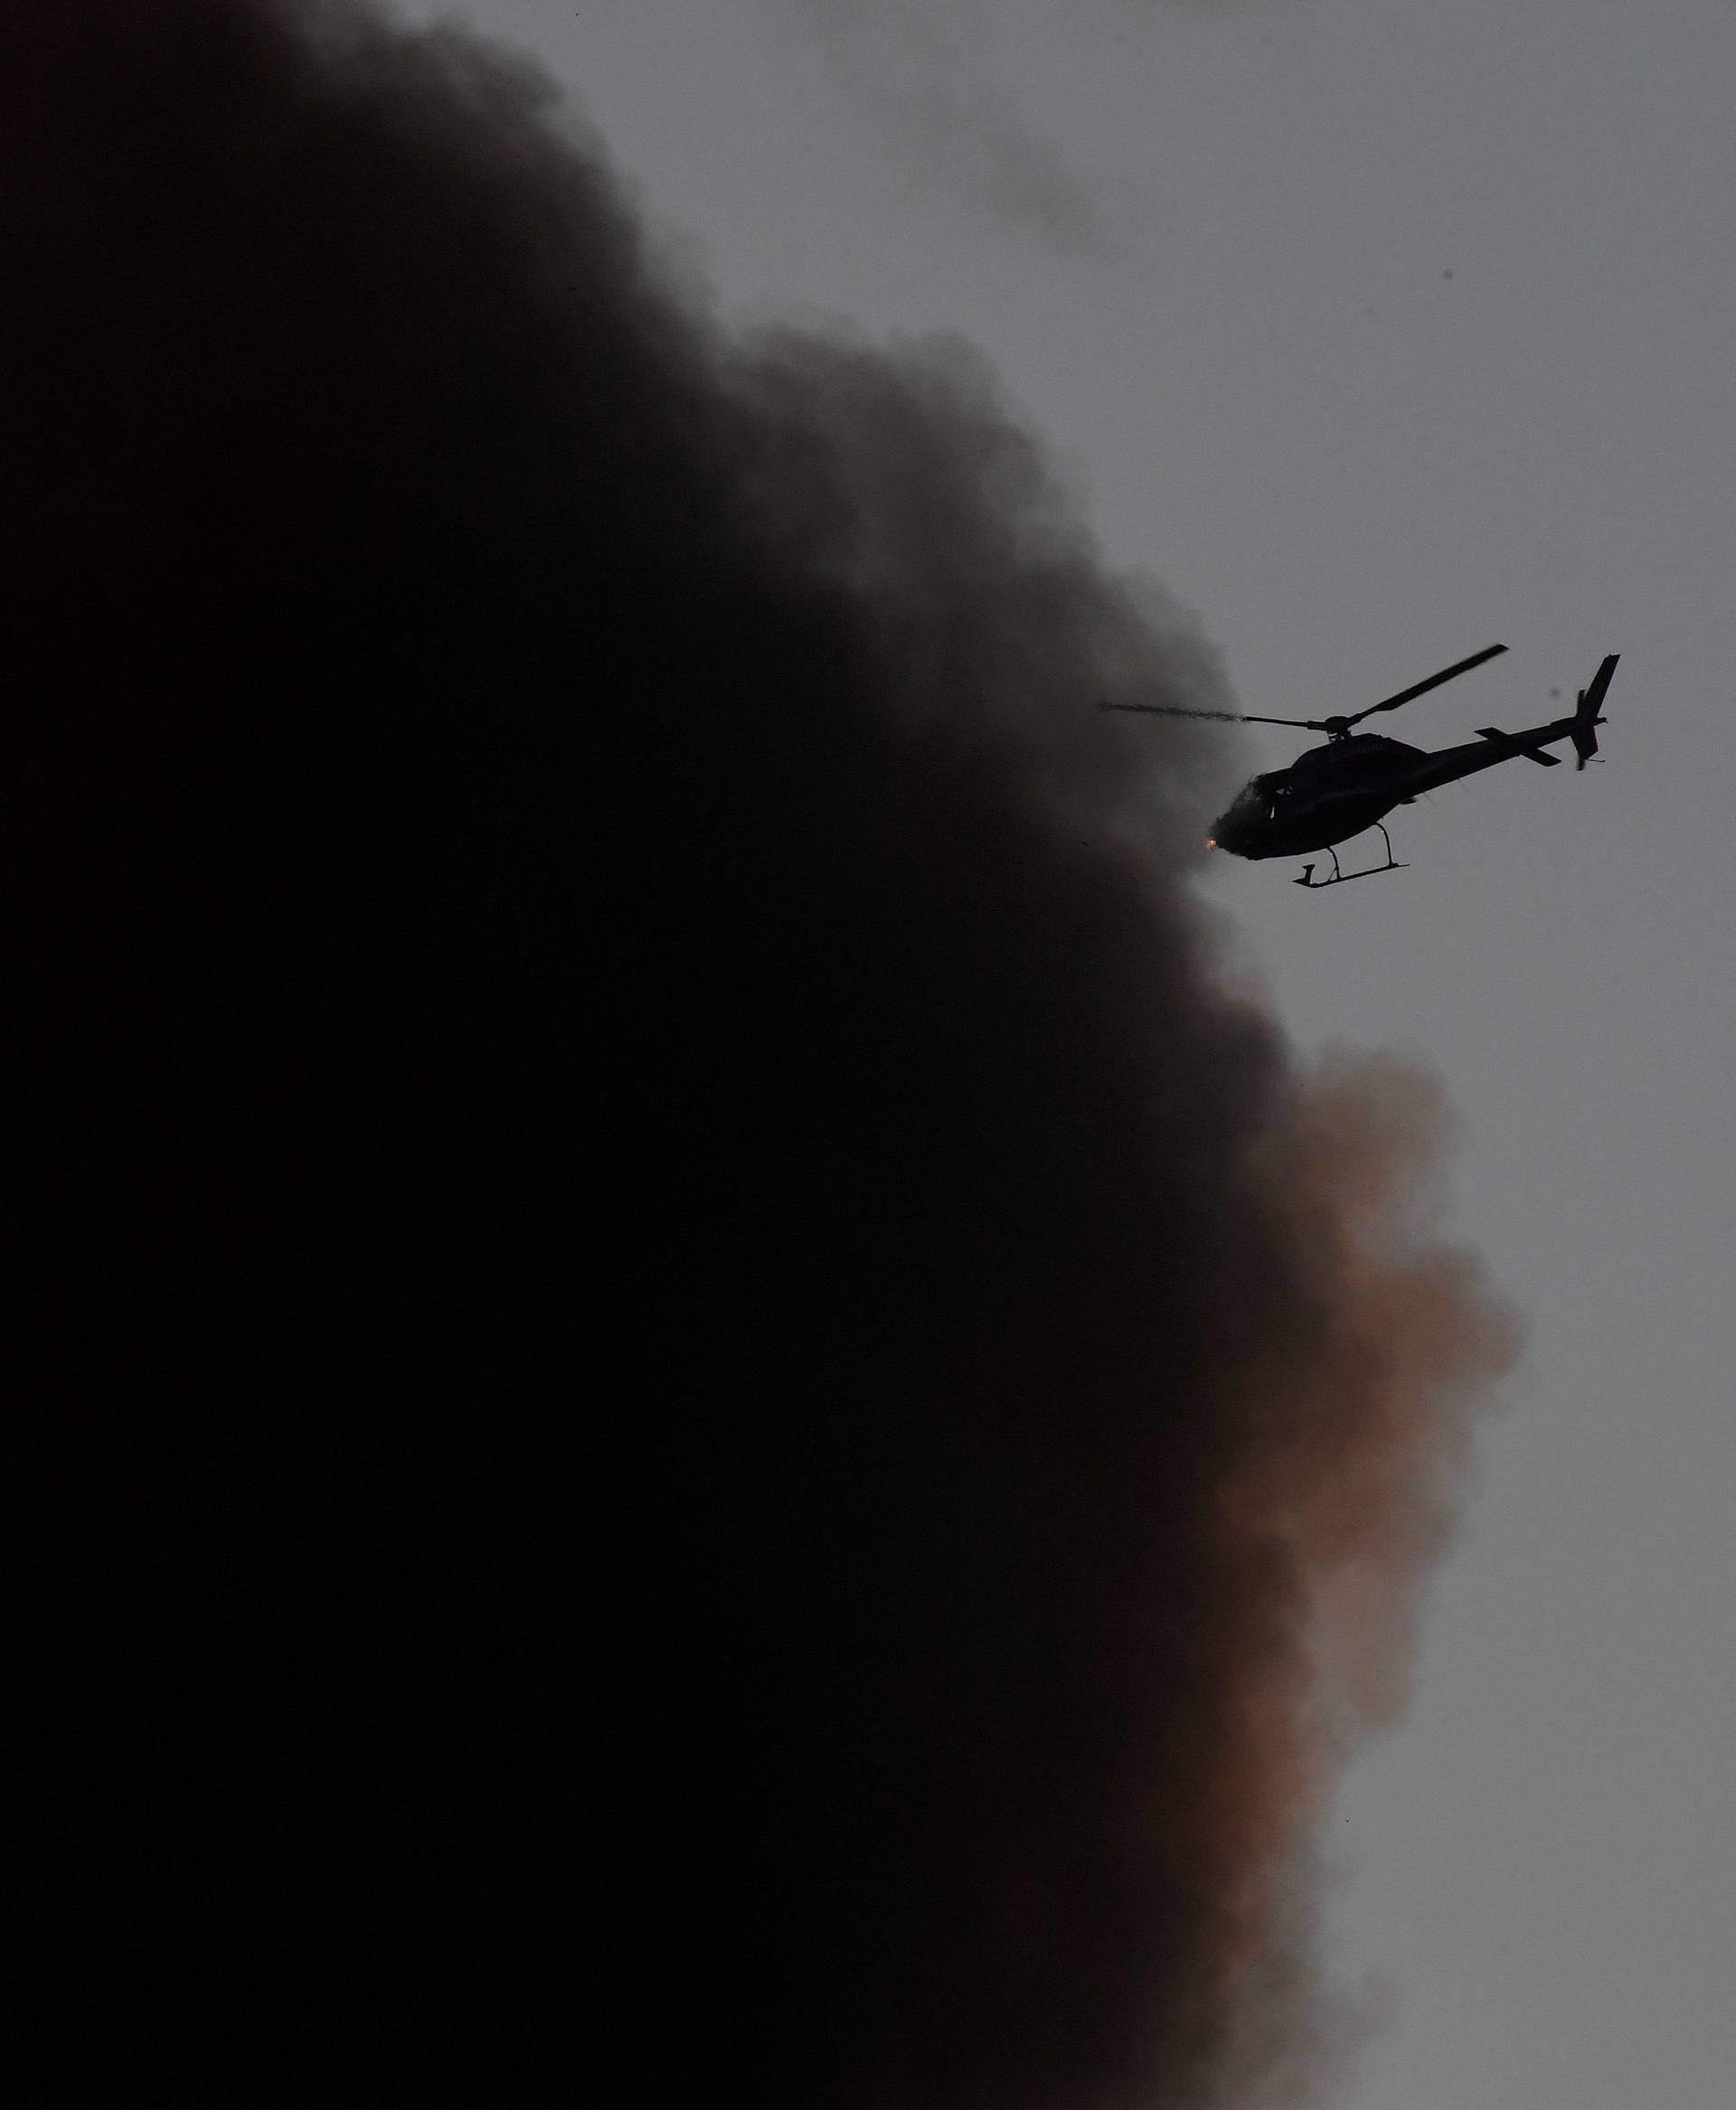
<point>1586,717</point>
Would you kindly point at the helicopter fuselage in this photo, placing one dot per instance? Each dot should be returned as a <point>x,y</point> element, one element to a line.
<point>1335,791</point>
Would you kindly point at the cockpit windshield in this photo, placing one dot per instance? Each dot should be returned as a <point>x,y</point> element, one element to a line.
<point>1254,808</point>
<point>1261,800</point>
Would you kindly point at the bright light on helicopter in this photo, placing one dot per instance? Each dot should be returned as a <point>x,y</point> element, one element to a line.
<point>1210,842</point>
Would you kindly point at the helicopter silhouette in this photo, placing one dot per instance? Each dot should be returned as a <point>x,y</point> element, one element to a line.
<point>1339,790</point>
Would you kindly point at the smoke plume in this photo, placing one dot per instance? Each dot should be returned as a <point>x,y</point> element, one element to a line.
<point>925,73</point>
<point>926,70</point>
<point>662,1306</point>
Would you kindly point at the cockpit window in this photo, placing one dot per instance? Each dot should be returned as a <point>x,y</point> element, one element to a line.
<point>1264,798</point>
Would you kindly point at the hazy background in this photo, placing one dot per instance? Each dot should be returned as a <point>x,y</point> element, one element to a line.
<point>1380,333</point>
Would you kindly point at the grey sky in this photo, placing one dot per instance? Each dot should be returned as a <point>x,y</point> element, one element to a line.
<point>931,77</point>
<point>1413,335</point>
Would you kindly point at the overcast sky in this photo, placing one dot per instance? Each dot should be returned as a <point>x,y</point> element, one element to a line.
<point>1379,331</point>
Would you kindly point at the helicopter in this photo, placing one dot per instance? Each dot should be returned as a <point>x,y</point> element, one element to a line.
<point>1345,787</point>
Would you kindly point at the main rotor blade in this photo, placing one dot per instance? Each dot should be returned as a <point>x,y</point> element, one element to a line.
<point>1423,688</point>
<point>1224,717</point>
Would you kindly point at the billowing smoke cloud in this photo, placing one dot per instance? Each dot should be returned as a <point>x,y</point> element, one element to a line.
<point>654,1266</point>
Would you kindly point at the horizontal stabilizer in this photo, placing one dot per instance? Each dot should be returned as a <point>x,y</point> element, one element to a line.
<point>1492,732</point>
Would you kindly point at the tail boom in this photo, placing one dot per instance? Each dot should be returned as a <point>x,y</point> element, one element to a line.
<point>1447,765</point>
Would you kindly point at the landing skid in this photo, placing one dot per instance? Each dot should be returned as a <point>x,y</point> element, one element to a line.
<point>1342,879</point>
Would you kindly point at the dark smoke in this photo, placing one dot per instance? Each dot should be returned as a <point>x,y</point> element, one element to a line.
<point>678,1368</point>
